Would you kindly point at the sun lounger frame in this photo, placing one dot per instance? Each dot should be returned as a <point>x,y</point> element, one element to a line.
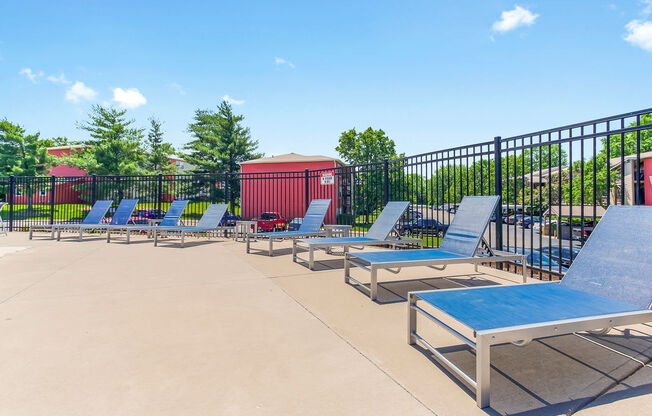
<point>483,340</point>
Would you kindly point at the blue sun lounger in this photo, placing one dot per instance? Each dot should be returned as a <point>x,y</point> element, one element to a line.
<point>171,218</point>
<point>121,216</point>
<point>310,227</point>
<point>609,284</point>
<point>208,225</point>
<point>94,217</point>
<point>461,244</point>
<point>377,235</point>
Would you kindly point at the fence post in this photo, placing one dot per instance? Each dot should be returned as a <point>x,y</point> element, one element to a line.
<point>52,198</point>
<point>226,190</point>
<point>307,188</point>
<point>498,188</point>
<point>386,181</point>
<point>93,188</point>
<point>159,196</point>
<point>12,192</point>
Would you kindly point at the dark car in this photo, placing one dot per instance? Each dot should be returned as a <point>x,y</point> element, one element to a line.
<point>426,226</point>
<point>409,217</point>
<point>229,218</point>
<point>295,224</point>
<point>142,216</point>
<point>581,234</point>
<point>565,258</point>
<point>527,221</point>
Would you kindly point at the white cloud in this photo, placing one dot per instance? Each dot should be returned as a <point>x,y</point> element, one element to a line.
<point>511,19</point>
<point>233,101</point>
<point>129,98</point>
<point>178,87</point>
<point>31,75</point>
<point>80,92</point>
<point>639,34</point>
<point>280,61</point>
<point>648,6</point>
<point>61,79</point>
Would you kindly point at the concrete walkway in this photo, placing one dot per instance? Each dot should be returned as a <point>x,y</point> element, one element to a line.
<point>96,328</point>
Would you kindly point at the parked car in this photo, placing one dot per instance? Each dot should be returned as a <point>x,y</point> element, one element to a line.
<point>527,221</point>
<point>427,226</point>
<point>565,258</point>
<point>272,221</point>
<point>229,218</point>
<point>142,216</point>
<point>582,233</point>
<point>536,258</point>
<point>409,217</point>
<point>295,224</point>
<point>512,219</point>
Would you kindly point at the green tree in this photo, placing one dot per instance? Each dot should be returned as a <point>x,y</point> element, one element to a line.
<point>23,154</point>
<point>369,146</point>
<point>114,146</point>
<point>157,159</point>
<point>220,143</point>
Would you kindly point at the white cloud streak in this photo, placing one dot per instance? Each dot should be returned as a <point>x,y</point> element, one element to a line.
<point>639,33</point>
<point>61,79</point>
<point>30,75</point>
<point>177,87</point>
<point>512,19</point>
<point>129,98</point>
<point>233,101</point>
<point>79,92</point>
<point>280,62</point>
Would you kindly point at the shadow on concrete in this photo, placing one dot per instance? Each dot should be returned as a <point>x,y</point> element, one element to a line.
<point>557,375</point>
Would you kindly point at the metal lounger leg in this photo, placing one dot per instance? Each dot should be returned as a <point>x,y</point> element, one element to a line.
<point>30,232</point>
<point>311,258</point>
<point>59,235</point>
<point>482,370</point>
<point>183,238</point>
<point>524,263</point>
<point>412,320</point>
<point>347,269</point>
<point>271,247</point>
<point>248,242</point>
<point>81,234</point>
<point>128,236</point>
<point>155,238</point>
<point>373,293</point>
<point>294,251</point>
<point>108,235</point>
<point>51,233</point>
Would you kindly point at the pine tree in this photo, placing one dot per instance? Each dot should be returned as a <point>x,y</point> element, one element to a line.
<point>158,151</point>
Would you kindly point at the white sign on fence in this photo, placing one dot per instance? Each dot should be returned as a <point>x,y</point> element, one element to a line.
<point>327,178</point>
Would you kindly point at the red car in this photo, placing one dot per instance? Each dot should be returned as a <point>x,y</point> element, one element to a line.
<point>272,221</point>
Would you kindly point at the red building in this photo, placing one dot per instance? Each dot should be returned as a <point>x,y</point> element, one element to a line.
<point>278,183</point>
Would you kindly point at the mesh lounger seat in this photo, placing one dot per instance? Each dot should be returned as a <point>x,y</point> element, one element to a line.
<point>94,217</point>
<point>460,245</point>
<point>310,227</point>
<point>609,284</point>
<point>170,219</point>
<point>377,235</point>
<point>121,216</point>
<point>208,225</point>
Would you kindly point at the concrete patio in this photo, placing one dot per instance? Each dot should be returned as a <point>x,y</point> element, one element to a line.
<point>96,328</point>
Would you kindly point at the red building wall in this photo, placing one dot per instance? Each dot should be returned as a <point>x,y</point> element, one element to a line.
<point>283,190</point>
<point>647,174</point>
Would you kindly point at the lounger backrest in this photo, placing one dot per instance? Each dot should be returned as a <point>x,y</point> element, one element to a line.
<point>97,212</point>
<point>467,228</point>
<point>315,214</point>
<point>616,261</point>
<point>387,219</point>
<point>173,215</point>
<point>124,211</point>
<point>212,216</point>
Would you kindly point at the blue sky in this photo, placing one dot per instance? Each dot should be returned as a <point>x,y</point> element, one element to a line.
<point>432,74</point>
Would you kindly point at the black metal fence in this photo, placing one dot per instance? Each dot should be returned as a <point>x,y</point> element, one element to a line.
<point>554,184</point>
